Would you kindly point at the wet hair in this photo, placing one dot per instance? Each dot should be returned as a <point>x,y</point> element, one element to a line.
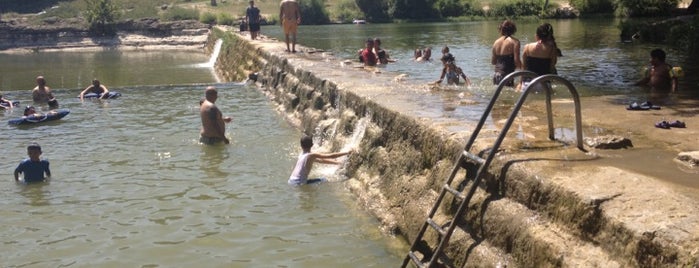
<point>53,103</point>
<point>445,49</point>
<point>95,82</point>
<point>545,34</point>
<point>507,28</point>
<point>27,110</point>
<point>658,54</point>
<point>377,41</point>
<point>306,142</point>
<point>34,146</point>
<point>370,41</point>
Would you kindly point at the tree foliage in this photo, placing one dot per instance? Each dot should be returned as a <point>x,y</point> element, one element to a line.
<point>101,15</point>
<point>412,9</point>
<point>645,8</point>
<point>375,10</point>
<point>313,12</point>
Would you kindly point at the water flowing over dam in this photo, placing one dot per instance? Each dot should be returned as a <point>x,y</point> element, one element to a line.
<point>543,203</point>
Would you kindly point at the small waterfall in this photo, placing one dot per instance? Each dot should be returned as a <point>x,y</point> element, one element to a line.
<point>335,172</point>
<point>214,55</point>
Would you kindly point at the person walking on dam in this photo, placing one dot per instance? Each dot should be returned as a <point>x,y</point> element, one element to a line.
<point>252,19</point>
<point>290,18</point>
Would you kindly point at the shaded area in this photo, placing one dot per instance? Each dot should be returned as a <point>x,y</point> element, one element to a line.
<point>24,6</point>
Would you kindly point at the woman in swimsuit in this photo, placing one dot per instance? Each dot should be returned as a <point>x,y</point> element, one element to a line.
<point>505,52</point>
<point>541,56</point>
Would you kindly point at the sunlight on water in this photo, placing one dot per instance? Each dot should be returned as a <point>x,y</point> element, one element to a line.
<point>132,187</point>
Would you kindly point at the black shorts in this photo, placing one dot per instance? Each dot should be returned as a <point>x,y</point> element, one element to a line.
<point>254,27</point>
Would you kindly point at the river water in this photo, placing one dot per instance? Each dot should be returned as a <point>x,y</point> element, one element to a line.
<point>132,187</point>
<point>594,59</point>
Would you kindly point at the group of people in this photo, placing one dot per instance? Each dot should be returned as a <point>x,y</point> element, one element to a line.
<point>289,16</point>
<point>41,94</point>
<point>542,55</point>
<point>373,54</point>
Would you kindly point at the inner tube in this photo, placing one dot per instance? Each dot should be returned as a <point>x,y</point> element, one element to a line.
<point>7,105</point>
<point>110,95</point>
<point>33,119</point>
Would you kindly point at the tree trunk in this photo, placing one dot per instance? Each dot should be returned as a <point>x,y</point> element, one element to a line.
<point>692,8</point>
<point>213,2</point>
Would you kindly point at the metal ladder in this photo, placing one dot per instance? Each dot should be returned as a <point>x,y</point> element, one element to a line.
<point>482,164</point>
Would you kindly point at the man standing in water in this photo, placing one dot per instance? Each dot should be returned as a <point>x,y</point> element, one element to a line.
<point>290,17</point>
<point>213,124</point>
<point>42,94</point>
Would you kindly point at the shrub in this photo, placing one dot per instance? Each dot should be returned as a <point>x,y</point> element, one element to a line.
<point>225,19</point>
<point>644,8</point>
<point>516,9</point>
<point>313,12</point>
<point>593,6</point>
<point>101,16</point>
<point>207,17</point>
<point>346,11</point>
<point>179,13</point>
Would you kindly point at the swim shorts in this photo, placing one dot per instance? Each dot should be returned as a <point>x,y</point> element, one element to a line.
<point>210,140</point>
<point>290,26</point>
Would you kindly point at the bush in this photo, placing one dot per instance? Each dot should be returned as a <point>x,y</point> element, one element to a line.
<point>101,16</point>
<point>452,8</point>
<point>179,13</point>
<point>313,12</point>
<point>207,17</point>
<point>346,11</point>
<point>225,19</point>
<point>644,8</point>
<point>593,6</point>
<point>516,9</point>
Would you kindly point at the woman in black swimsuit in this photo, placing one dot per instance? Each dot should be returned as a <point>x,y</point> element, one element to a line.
<point>505,52</point>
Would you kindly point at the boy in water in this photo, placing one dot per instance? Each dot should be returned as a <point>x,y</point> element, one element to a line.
<point>33,168</point>
<point>659,75</point>
<point>304,164</point>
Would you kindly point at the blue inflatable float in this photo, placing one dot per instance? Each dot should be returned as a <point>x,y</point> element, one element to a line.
<point>110,95</point>
<point>34,119</point>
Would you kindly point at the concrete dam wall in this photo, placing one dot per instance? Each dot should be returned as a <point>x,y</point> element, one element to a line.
<point>542,203</point>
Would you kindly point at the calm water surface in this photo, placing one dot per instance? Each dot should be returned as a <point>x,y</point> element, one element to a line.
<point>132,187</point>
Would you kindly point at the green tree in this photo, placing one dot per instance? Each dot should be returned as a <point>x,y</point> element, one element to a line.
<point>645,8</point>
<point>412,9</point>
<point>101,15</point>
<point>375,10</point>
<point>313,12</point>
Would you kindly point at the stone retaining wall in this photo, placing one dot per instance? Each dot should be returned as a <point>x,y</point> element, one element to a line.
<point>535,209</point>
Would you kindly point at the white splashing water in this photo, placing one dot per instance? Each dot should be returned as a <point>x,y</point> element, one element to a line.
<point>214,55</point>
<point>333,172</point>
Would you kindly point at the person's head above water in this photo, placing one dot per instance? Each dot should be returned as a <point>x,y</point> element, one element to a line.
<point>29,110</point>
<point>306,143</point>
<point>507,28</point>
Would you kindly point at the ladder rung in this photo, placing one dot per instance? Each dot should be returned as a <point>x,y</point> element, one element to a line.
<point>453,191</point>
<point>474,158</point>
<point>436,227</point>
<point>415,260</point>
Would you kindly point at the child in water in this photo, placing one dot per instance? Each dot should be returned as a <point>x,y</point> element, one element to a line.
<point>304,164</point>
<point>659,74</point>
<point>33,168</point>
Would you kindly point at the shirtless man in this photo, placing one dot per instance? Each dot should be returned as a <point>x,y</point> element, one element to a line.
<point>659,74</point>
<point>96,88</point>
<point>213,124</point>
<point>290,17</point>
<point>41,93</point>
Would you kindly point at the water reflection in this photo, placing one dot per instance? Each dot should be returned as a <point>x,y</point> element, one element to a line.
<point>35,193</point>
<point>212,157</point>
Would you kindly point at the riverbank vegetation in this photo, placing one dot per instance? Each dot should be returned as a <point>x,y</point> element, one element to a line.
<point>99,14</point>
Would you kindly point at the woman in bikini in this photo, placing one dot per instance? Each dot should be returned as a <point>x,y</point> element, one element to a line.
<point>505,52</point>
